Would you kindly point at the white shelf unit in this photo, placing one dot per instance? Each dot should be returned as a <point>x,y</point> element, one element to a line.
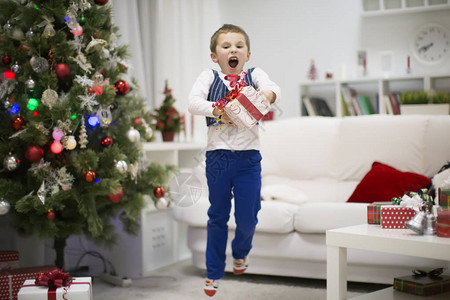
<point>164,241</point>
<point>330,90</point>
<point>161,241</point>
<point>385,7</point>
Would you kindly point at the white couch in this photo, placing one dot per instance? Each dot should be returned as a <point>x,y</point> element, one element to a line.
<point>312,165</point>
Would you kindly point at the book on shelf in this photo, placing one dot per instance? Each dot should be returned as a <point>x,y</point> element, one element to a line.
<point>317,107</point>
<point>366,105</point>
<point>395,103</point>
<point>388,105</point>
<point>354,104</point>
<point>348,107</point>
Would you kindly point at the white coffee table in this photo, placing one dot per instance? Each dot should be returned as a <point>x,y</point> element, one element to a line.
<point>374,238</point>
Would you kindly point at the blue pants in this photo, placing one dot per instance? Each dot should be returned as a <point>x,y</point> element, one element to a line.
<point>231,174</point>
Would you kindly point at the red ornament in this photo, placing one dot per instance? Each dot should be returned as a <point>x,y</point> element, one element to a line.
<point>159,192</point>
<point>101,2</point>
<point>50,215</point>
<point>107,141</point>
<point>89,176</point>
<point>138,121</point>
<point>62,71</point>
<point>121,87</point>
<point>18,123</point>
<point>117,196</point>
<point>95,89</point>
<point>6,59</point>
<point>34,153</point>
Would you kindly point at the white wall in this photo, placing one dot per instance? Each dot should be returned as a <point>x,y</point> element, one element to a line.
<point>286,34</point>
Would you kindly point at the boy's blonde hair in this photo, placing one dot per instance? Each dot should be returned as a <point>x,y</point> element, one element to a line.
<point>225,29</point>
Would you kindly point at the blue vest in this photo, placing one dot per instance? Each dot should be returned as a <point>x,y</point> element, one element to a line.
<point>219,90</point>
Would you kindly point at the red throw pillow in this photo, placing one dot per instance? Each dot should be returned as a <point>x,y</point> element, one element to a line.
<point>383,182</point>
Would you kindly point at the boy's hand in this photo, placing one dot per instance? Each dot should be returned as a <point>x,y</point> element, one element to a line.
<point>225,118</point>
<point>268,95</point>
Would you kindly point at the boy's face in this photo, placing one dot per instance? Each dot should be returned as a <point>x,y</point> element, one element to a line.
<point>231,52</point>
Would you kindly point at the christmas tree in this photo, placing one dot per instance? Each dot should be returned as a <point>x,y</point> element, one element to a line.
<point>70,125</point>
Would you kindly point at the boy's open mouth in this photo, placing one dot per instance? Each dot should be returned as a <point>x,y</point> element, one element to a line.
<point>233,62</point>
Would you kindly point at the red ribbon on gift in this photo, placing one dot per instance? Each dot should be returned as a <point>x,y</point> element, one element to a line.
<point>250,107</point>
<point>53,279</point>
<point>236,85</point>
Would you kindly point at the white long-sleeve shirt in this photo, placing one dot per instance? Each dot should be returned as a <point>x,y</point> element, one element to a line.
<point>228,138</point>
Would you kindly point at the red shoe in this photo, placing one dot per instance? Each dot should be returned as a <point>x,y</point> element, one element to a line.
<point>240,265</point>
<point>211,287</point>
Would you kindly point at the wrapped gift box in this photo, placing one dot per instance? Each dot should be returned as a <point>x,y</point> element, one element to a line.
<point>12,280</point>
<point>423,286</point>
<point>395,216</point>
<point>9,260</point>
<point>247,108</point>
<point>443,223</point>
<point>374,212</point>
<point>80,289</point>
<point>444,198</point>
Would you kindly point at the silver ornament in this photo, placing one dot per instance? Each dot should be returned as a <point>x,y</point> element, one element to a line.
<point>161,203</point>
<point>133,135</point>
<point>121,166</point>
<point>30,84</point>
<point>30,34</point>
<point>39,64</point>
<point>10,163</point>
<point>15,68</point>
<point>7,27</point>
<point>4,207</point>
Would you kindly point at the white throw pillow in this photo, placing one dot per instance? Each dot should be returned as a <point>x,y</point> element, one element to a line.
<point>282,192</point>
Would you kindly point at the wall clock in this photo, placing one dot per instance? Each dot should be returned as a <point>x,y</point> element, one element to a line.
<point>431,44</point>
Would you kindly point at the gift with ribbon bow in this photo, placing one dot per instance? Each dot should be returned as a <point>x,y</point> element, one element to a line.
<point>56,285</point>
<point>243,104</point>
<point>423,283</point>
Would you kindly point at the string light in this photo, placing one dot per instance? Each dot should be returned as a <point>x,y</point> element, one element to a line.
<point>32,104</point>
<point>93,121</point>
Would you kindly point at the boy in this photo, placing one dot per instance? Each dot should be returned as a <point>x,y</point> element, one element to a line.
<point>233,166</point>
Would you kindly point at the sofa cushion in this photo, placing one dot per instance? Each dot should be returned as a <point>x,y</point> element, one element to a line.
<point>300,147</point>
<point>398,141</point>
<point>274,216</point>
<point>383,182</point>
<point>320,217</point>
<point>283,192</point>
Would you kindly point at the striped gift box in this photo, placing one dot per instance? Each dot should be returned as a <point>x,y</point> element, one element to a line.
<point>444,198</point>
<point>374,212</point>
<point>422,286</point>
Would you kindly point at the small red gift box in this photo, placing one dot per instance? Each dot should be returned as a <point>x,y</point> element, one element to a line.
<point>247,108</point>
<point>9,260</point>
<point>11,280</point>
<point>395,216</point>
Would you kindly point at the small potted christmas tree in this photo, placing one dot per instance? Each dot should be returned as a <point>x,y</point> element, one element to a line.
<point>168,119</point>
